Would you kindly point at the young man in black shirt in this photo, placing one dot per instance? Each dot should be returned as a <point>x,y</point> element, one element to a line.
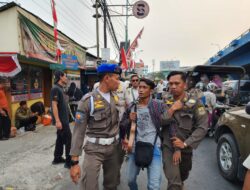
<point>60,117</point>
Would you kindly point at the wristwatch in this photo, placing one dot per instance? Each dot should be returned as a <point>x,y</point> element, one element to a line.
<point>74,162</point>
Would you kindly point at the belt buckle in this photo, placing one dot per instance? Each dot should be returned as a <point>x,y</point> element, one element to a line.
<point>107,141</point>
<point>102,141</point>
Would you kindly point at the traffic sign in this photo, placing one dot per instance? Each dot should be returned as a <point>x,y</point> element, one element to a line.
<point>140,9</point>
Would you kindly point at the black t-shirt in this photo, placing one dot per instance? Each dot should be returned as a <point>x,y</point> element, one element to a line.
<point>57,95</point>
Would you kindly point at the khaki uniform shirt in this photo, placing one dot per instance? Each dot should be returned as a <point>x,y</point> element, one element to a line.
<point>120,93</point>
<point>192,124</point>
<point>20,115</point>
<point>103,123</point>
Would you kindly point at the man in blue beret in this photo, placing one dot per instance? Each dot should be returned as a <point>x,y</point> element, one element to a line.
<point>97,121</point>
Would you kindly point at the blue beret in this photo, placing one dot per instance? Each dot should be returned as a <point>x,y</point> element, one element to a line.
<point>109,68</point>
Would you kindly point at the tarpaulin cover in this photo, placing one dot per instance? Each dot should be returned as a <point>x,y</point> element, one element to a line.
<point>9,65</point>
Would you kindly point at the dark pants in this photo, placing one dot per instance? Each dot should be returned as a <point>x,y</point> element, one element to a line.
<point>63,138</point>
<point>121,154</point>
<point>97,156</point>
<point>176,174</point>
<point>29,123</point>
<point>5,125</point>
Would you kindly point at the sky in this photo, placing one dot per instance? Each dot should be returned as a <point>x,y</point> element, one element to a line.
<point>191,31</point>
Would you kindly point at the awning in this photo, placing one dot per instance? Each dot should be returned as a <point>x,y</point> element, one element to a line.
<point>9,65</point>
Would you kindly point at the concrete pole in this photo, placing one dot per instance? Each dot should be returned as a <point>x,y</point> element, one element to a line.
<point>126,27</point>
<point>105,23</point>
<point>97,29</point>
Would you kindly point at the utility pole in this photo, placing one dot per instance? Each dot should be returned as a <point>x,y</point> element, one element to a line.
<point>105,23</point>
<point>126,27</point>
<point>97,27</point>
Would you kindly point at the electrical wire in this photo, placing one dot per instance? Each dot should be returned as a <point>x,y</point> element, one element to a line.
<point>63,23</point>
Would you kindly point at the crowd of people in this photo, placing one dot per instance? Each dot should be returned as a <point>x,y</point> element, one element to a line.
<point>105,117</point>
<point>155,126</point>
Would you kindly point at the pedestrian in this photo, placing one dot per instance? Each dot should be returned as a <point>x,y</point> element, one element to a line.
<point>132,92</point>
<point>188,127</point>
<point>5,123</point>
<point>60,118</point>
<point>25,118</point>
<point>246,163</point>
<point>97,117</point>
<point>159,89</point>
<point>147,114</point>
<point>210,105</point>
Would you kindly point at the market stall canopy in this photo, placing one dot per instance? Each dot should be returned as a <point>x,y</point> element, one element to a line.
<point>9,65</point>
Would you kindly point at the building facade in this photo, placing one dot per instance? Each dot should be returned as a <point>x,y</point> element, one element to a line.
<point>31,40</point>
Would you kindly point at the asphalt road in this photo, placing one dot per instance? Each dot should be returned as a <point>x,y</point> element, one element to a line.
<point>25,164</point>
<point>204,175</point>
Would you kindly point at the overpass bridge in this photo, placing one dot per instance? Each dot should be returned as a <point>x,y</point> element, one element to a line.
<point>236,53</point>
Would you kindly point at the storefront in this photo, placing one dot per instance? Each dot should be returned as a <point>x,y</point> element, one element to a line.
<point>33,40</point>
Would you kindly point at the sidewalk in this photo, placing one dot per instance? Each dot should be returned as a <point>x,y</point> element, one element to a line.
<point>25,161</point>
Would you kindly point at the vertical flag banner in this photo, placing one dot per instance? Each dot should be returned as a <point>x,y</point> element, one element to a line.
<point>58,45</point>
<point>132,48</point>
<point>124,65</point>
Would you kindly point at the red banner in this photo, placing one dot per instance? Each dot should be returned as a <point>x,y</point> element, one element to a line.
<point>124,65</point>
<point>132,48</point>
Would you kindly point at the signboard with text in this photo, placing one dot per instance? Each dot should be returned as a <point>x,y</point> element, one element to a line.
<point>169,65</point>
<point>70,61</point>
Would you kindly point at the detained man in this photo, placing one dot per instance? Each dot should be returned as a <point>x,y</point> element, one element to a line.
<point>148,121</point>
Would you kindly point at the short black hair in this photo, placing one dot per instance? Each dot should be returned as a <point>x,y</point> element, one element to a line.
<point>57,75</point>
<point>148,82</point>
<point>102,75</point>
<point>22,103</point>
<point>173,73</point>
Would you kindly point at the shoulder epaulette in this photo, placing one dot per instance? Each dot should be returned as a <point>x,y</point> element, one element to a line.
<point>86,96</point>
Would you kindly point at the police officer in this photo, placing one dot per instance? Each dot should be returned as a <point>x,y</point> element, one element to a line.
<point>187,129</point>
<point>97,117</point>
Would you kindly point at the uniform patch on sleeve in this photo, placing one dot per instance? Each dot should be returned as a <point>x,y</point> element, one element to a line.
<point>201,111</point>
<point>79,117</point>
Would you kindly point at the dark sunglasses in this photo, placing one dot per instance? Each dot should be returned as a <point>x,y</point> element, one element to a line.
<point>136,80</point>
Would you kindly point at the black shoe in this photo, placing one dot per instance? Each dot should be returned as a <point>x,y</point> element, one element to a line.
<point>58,161</point>
<point>67,165</point>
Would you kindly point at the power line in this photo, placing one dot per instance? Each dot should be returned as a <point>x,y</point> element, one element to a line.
<point>73,18</point>
<point>66,19</point>
<point>110,26</point>
<point>85,5</point>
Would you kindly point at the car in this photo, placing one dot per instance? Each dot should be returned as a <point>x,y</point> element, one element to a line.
<point>231,89</point>
<point>232,134</point>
